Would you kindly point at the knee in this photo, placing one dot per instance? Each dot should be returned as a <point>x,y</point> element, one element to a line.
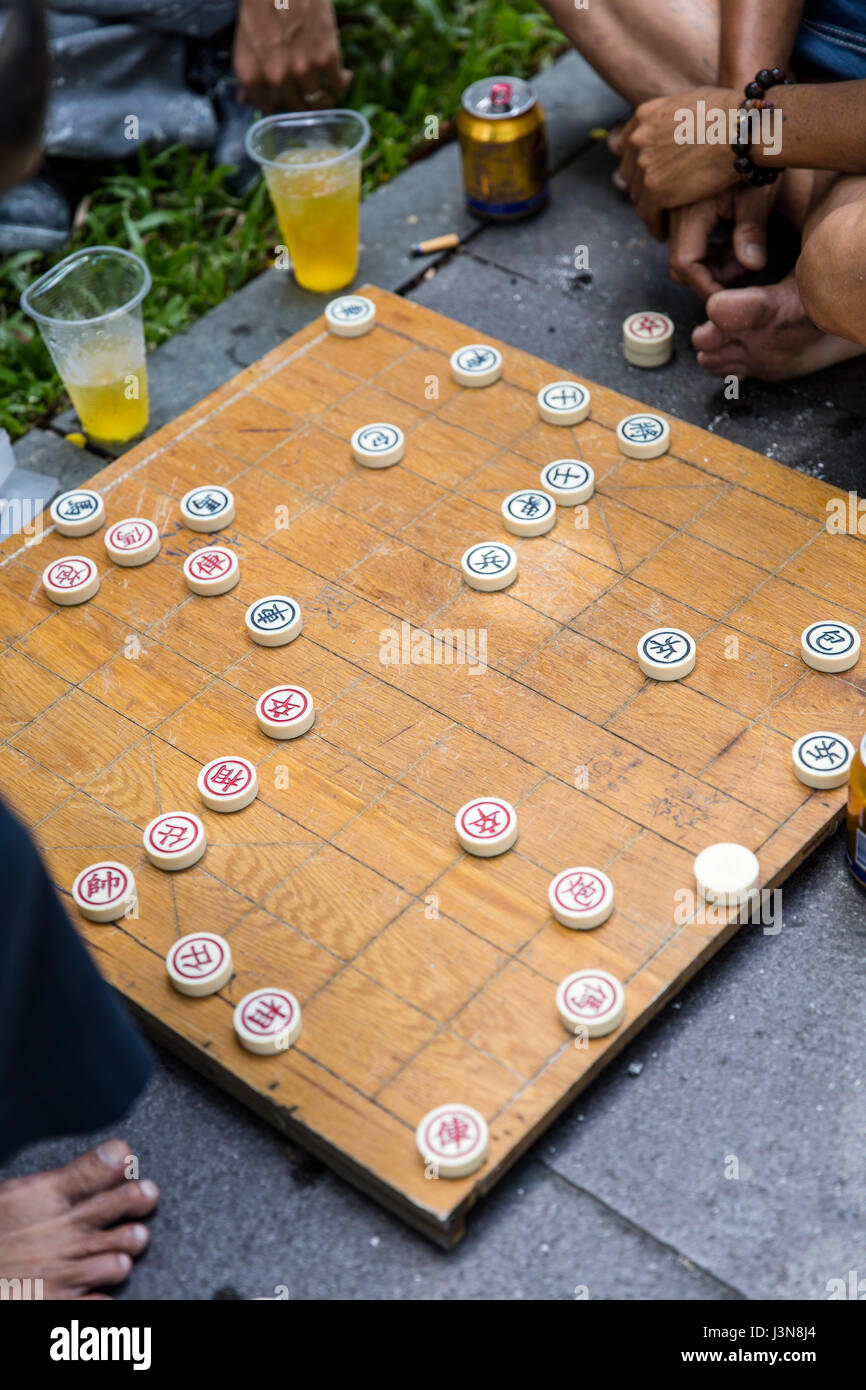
<point>831,273</point>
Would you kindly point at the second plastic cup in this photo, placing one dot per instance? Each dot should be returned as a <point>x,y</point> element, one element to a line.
<point>88,309</point>
<point>312,164</point>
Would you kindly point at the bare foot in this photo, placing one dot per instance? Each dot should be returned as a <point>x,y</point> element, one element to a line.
<point>762,331</point>
<point>61,1227</point>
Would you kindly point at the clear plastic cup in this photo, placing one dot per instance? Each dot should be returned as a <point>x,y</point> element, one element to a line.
<point>88,309</point>
<point>312,164</point>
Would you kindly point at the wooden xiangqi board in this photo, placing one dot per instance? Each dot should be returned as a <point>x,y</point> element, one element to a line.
<point>425,975</point>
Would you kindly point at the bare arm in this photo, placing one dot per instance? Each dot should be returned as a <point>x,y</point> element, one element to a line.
<point>755,34</point>
<point>823,126</point>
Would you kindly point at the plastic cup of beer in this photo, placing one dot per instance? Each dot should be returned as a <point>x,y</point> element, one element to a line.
<point>312,164</point>
<point>88,309</point>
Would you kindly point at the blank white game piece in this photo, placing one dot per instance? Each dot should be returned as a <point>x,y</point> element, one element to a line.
<point>72,579</point>
<point>563,403</point>
<point>199,964</point>
<point>727,874</point>
<point>830,646</point>
<point>647,339</point>
<point>267,1021</point>
<point>273,621</point>
<point>666,653</point>
<point>477,364</point>
<point>822,759</point>
<point>489,566</point>
<point>228,784</point>
<point>487,825</point>
<point>174,840</point>
<point>643,436</point>
<point>133,541</point>
<point>208,508</point>
<point>350,316</point>
<point>285,711</point>
<point>78,513</point>
<point>569,481</point>
<point>581,898</point>
<point>590,1002</point>
<point>378,445</point>
<point>212,570</point>
<point>529,512</point>
<point>105,891</point>
<point>453,1140</point>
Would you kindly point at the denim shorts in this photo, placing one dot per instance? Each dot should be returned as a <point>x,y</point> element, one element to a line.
<point>832,37</point>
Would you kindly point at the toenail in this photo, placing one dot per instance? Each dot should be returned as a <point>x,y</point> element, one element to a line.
<point>140,1234</point>
<point>112,1154</point>
<point>124,1263</point>
<point>148,1188</point>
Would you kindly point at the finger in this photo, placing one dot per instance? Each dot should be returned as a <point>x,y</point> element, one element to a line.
<point>751,211</point>
<point>653,217</point>
<point>689,246</point>
<point>332,75</point>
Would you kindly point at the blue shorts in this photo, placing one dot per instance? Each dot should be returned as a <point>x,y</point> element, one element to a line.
<point>832,36</point>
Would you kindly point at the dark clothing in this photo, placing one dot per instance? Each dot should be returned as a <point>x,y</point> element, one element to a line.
<point>71,1060</point>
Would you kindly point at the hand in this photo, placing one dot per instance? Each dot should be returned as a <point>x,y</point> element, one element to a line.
<point>289,59</point>
<point>693,261</point>
<point>662,174</point>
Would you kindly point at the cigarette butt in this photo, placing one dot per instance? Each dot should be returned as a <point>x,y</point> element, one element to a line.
<point>436,243</point>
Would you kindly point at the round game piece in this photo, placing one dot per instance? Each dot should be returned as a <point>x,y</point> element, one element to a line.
<point>581,898</point>
<point>563,403</point>
<point>207,508</point>
<point>273,621</point>
<point>228,784</point>
<point>350,316</point>
<point>453,1139</point>
<point>529,512</point>
<point>285,711</point>
<point>477,364</point>
<point>72,579</point>
<point>104,892</point>
<point>78,513</point>
<point>489,566</point>
<point>647,339</point>
<point>830,646</point>
<point>643,436</point>
<point>133,541</point>
<point>378,445</point>
<point>822,759</point>
<point>568,480</point>
<point>727,874</point>
<point>590,1002</point>
<point>174,840</point>
<point>666,653</point>
<point>212,570</point>
<point>199,964</point>
<point>267,1021</point>
<point>487,825</point>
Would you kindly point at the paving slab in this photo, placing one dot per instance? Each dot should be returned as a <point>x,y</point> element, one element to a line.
<point>760,1069</point>
<point>239,1219</point>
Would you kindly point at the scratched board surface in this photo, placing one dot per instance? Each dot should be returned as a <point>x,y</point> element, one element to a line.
<point>425,975</point>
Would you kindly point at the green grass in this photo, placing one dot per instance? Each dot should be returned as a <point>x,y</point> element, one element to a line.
<point>411,59</point>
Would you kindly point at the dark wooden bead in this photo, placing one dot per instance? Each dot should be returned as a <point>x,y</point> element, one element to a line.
<point>754,90</point>
<point>742,164</point>
<point>764,78</point>
<point>778,77</point>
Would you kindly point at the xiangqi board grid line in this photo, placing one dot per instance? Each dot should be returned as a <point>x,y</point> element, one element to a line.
<point>564,1074</point>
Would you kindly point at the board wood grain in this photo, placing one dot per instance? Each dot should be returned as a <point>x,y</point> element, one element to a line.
<point>424,974</point>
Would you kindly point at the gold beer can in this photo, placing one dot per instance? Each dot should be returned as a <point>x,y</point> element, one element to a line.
<point>503,142</point>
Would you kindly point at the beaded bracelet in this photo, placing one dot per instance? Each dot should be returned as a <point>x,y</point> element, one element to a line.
<point>743,163</point>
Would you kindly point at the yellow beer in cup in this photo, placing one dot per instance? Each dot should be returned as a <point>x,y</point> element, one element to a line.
<point>312,164</point>
<point>88,309</point>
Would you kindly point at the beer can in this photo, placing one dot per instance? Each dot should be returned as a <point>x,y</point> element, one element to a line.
<point>503,142</point>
